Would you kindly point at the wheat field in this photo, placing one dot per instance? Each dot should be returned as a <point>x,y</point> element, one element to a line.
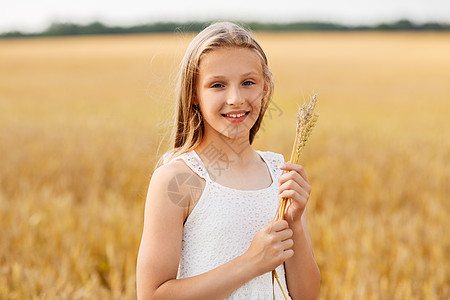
<point>83,121</point>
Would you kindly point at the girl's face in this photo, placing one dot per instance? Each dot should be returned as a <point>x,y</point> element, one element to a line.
<point>229,91</point>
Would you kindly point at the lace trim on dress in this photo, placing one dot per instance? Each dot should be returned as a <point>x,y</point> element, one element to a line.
<point>193,161</point>
<point>273,161</point>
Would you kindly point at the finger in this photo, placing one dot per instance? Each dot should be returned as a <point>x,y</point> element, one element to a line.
<point>299,199</point>
<point>287,254</point>
<point>291,174</point>
<point>278,226</point>
<point>285,234</point>
<point>294,176</point>
<point>287,244</point>
<point>294,192</point>
<point>295,167</point>
<point>290,185</point>
<point>301,187</point>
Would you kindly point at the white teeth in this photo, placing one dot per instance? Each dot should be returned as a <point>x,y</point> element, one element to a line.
<point>235,115</point>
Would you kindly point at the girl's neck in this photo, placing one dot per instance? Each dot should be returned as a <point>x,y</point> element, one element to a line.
<point>231,150</point>
<point>234,163</point>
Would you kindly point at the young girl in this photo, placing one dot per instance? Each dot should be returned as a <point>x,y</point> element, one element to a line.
<point>208,230</point>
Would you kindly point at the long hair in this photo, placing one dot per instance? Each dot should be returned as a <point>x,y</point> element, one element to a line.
<point>188,130</point>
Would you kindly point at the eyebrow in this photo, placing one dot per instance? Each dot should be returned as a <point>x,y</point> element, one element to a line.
<point>223,76</point>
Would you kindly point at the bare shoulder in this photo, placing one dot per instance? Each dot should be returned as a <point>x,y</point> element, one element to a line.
<point>176,183</point>
<point>160,248</point>
<point>167,171</point>
<point>162,178</point>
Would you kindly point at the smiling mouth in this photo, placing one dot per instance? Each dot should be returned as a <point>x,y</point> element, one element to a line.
<point>236,115</point>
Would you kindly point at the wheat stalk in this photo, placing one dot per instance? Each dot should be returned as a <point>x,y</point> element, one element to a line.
<point>306,121</point>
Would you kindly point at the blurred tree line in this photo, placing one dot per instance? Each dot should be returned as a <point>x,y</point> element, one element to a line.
<point>61,29</point>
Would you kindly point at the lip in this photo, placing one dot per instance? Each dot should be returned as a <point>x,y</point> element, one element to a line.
<point>236,112</point>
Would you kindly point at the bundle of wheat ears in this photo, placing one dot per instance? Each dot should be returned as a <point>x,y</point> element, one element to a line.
<point>306,120</point>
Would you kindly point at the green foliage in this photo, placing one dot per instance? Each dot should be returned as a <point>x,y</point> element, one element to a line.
<point>61,29</point>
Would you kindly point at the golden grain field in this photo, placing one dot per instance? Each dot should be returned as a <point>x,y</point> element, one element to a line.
<point>82,119</point>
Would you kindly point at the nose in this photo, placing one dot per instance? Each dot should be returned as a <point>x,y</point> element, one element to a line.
<point>234,96</point>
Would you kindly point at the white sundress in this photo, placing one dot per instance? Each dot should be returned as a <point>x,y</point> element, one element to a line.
<point>223,223</point>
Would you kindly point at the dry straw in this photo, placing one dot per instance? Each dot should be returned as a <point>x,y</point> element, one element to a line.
<point>306,120</point>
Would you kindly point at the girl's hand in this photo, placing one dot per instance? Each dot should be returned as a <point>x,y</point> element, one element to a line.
<point>294,185</point>
<point>270,247</point>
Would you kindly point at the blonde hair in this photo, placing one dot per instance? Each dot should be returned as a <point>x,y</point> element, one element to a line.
<point>188,130</point>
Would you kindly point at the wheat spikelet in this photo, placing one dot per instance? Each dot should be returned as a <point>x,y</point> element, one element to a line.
<point>306,121</point>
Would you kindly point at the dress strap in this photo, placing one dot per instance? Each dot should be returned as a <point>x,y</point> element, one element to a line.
<point>273,161</point>
<point>191,158</point>
<point>194,162</point>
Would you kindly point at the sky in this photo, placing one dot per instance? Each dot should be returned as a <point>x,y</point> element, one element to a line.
<point>36,15</point>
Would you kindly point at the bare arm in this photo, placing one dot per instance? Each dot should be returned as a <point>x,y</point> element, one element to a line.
<point>302,272</point>
<point>215,284</point>
<point>160,249</point>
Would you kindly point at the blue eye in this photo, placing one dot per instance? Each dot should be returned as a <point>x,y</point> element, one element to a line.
<point>248,83</point>
<point>217,85</point>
